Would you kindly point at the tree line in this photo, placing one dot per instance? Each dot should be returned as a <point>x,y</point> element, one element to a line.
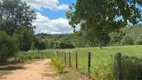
<point>130,35</point>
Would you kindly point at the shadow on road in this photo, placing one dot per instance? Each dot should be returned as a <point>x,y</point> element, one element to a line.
<point>11,67</point>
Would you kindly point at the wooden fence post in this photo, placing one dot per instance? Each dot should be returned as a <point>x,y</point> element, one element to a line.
<point>62,55</point>
<point>69,59</point>
<point>65,58</point>
<point>89,64</point>
<point>57,54</point>
<point>76,61</point>
<point>119,67</point>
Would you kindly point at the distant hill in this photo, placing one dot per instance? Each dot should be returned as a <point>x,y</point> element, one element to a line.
<point>134,31</point>
<point>55,36</point>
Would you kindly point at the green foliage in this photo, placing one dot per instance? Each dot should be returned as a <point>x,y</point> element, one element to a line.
<point>116,38</point>
<point>80,41</point>
<point>127,40</point>
<point>61,43</point>
<point>50,43</point>
<point>126,36</point>
<point>138,41</point>
<point>14,15</point>
<point>25,37</point>
<point>96,16</point>
<point>64,43</point>
<point>104,39</point>
<point>64,40</point>
<point>34,54</point>
<point>58,64</point>
<point>130,33</point>
<point>53,36</point>
<point>135,33</point>
<point>16,20</point>
<point>8,47</point>
<point>39,45</point>
<point>131,68</point>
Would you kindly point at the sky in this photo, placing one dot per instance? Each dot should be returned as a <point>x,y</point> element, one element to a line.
<point>51,15</point>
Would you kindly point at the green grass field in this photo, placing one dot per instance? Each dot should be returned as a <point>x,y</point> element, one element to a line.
<point>103,60</point>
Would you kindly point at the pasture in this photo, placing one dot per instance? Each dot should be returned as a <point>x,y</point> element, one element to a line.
<point>103,62</point>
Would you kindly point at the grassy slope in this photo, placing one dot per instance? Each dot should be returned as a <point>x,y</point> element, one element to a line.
<point>102,60</point>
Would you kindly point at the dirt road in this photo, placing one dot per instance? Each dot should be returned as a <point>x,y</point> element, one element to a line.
<point>34,71</point>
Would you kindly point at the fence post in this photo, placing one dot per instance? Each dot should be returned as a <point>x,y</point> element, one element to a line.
<point>69,59</point>
<point>89,64</point>
<point>119,68</point>
<point>59,55</point>
<point>56,54</point>
<point>42,55</point>
<point>65,58</point>
<point>76,61</point>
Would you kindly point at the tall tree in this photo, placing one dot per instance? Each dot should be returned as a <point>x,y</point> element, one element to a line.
<point>25,37</point>
<point>15,14</point>
<point>97,16</point>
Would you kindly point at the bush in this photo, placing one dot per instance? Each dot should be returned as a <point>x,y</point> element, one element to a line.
<point>39,45</point>
<point>132,68</point>
<point>58,64</point>
<point>116,38</point>
<point>127,40</point>
<point>24,38</point>
<point>138,41</point>
<point>64,45</point>
<point>8,47</point>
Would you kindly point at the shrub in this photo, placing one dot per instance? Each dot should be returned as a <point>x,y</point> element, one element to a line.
<point>131,68</point>
<point>59,65</point>
<point>127,40</point>
<point>39,45</point>
<point>138,41</point>
<point>8,47</point>
<point>64,45</point>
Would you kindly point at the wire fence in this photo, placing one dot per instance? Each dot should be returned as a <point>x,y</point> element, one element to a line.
<point>115,67</point>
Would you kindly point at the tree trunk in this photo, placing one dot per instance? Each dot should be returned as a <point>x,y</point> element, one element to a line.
<point>101,46</point>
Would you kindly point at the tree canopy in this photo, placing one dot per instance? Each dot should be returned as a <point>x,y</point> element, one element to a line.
<point>15,14</point>
<point>97,16</point>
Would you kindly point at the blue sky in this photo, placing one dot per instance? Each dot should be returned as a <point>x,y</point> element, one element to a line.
<point>57,13</point>
<point>51,15</point>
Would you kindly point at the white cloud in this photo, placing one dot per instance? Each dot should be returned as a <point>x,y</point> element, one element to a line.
<point>50,4</point>
<point>46,25</point>
<point>63,7</point>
